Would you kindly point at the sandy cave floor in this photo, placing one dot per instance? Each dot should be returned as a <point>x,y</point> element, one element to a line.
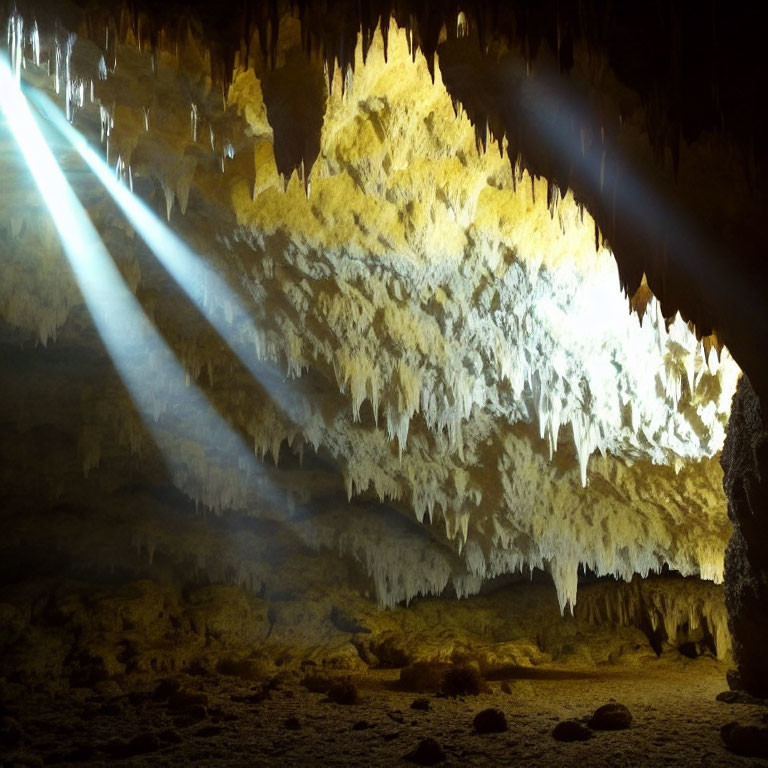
<point>676,721</point>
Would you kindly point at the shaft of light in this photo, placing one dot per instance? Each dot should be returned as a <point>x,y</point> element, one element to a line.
<point>210,293</point>
<point>147,366</point>
<point>548,110</point>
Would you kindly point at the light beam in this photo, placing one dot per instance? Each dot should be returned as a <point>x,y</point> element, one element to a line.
<point>207,290</point>
<point>146,364</point>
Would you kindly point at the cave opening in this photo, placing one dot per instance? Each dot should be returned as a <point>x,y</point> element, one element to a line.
<point>382,383</point>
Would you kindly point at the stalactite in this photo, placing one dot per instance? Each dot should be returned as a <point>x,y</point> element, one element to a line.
<point>455,306</point>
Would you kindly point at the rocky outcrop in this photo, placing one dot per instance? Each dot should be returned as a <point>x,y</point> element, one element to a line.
<point>745,465</point>
<point>68,634</point>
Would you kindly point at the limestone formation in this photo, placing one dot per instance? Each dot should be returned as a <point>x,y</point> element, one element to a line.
<point>358,349</point>
<point>421,321</point>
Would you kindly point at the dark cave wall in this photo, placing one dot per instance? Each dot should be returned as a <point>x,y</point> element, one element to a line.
<point>745,464</point>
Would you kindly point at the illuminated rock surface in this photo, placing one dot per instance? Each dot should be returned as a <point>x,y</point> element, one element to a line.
<point>455,344</point>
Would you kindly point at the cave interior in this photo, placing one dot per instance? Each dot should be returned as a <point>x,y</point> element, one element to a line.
<point>381,382</point>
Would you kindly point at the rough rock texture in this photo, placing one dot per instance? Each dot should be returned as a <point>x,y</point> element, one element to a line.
<point>749,739</point>
<point>571,730</point>
<point>413,323</point>
<point>428,752</point>
<point>62,634</point>
<point>344,692</point>
<point>745,465</point>
<point>687,614</point>
<point>461,680</point>
<point>490,720</point>
<point>676,721</point>
<point>611,717</point>
<point>431,341</point>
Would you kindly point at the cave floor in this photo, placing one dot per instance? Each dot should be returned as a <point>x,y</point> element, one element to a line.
<point>676,721</point>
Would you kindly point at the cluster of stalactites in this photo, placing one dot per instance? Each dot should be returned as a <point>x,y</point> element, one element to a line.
<point>507,343</point>
<point>334,33</point>
<point>670,605</point>
<point>73,68</point>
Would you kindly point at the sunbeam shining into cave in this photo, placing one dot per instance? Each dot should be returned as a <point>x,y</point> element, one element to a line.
<point>143,359</point>
<point>211,295</point>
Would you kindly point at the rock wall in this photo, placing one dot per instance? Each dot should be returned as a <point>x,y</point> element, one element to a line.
<point>70,634</point>
<point>745,466</point>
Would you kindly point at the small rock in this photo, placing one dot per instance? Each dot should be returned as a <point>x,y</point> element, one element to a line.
<point>747,740</point>
<point>10,732</point>
<point>166,688</point>
<point>361,725</point>
<point>490,721</point>
<point>292,724</point>
<point>462,680</point>
<point>429,752</point>
<point>182,701</point>
<point>738,697</point>
<point>422,704</point>
<point>571,730</point>
<point>505,687</point>
<point>343,692</point>
<point>170,736</point>
<point>611,717</point>
<point>396,716</point>
<point>191,716</point>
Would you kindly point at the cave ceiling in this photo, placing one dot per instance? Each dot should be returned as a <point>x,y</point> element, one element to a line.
<point>423,304</point>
